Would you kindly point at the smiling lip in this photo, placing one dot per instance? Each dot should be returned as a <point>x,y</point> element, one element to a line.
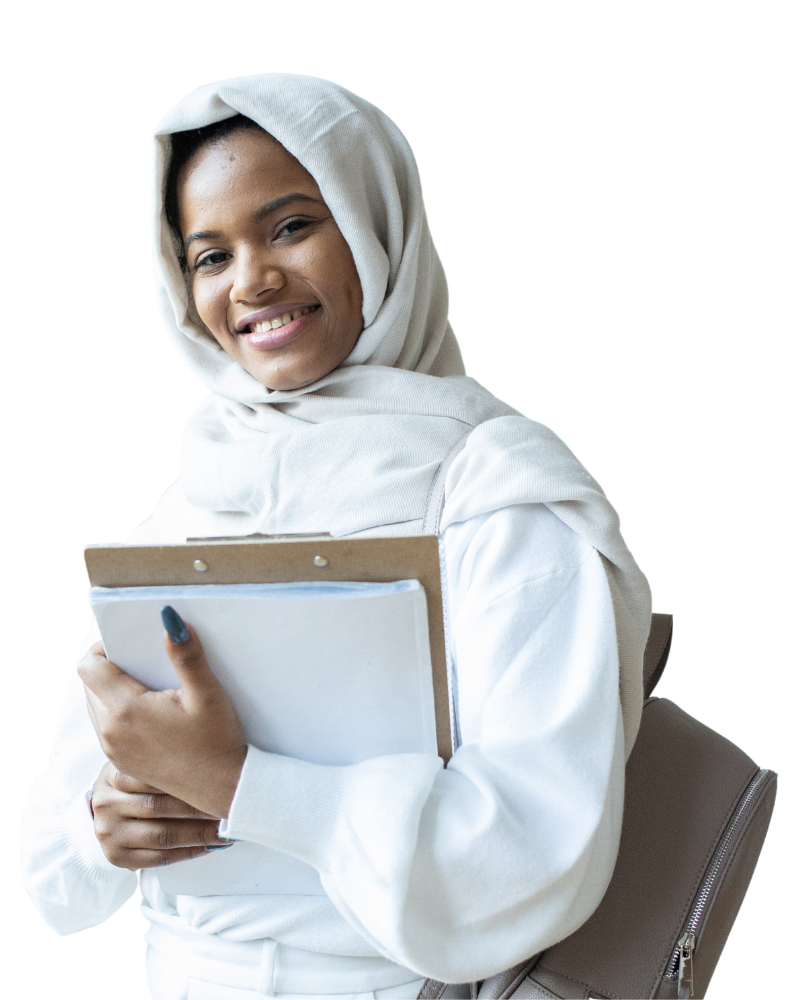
<point>270,313</point>
<point>263,338</point>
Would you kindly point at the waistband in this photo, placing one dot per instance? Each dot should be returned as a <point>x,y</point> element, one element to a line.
<point>271,968</point>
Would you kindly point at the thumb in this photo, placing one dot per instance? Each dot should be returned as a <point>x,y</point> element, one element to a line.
<point>186,653</point>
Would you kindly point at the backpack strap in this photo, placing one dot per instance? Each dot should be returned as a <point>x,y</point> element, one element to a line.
<point>505,984</point>
<point>656,651</point>
<point>435,502</point>
<point>432,989</point>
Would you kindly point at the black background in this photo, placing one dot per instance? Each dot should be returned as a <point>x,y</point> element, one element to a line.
<point>587,229</point>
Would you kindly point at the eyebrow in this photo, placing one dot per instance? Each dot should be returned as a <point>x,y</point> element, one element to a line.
<point>258,215</point>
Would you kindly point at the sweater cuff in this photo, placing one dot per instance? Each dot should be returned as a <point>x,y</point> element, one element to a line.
<point>70,880</point>
<point>271,805</point>
<point>320,813</point>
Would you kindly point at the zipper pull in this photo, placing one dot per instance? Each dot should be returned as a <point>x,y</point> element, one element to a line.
<point>686,945</point>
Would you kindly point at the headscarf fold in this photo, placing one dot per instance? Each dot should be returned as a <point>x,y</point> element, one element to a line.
<point>357,450</point>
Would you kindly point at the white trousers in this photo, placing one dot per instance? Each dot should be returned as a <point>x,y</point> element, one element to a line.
<point>174,975</point>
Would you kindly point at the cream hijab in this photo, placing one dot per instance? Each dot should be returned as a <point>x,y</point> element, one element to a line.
<point>357,451</point>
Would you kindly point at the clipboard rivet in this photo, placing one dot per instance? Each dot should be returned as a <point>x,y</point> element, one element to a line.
<point>200,566</point>
<point>320,561</point>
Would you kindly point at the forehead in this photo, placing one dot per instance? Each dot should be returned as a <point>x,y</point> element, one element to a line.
<point>245,167</point>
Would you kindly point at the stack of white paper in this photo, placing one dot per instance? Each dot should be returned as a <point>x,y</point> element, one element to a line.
<point>332,673</point>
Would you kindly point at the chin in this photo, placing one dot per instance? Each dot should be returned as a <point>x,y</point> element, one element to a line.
<point>286,381</point>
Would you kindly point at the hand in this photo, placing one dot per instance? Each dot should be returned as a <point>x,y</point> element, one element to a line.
<point>140,827</point>
<point>187,742</point>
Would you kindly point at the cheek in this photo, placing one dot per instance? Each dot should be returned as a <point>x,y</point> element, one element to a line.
<point>329,268</point>
<point>348,281</point>
<point>211,299</point>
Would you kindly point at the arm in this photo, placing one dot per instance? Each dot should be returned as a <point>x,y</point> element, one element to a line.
<point>68,877</point>
<point>461,872</point>
<point>85,834</point>
<point>67,873</point>
<point>455,873</point>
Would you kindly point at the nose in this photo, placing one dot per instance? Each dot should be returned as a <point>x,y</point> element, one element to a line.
<point>254,277</point>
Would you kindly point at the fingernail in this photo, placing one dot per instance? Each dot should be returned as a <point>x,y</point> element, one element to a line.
<point>174,625</point>
<point>218,847</point>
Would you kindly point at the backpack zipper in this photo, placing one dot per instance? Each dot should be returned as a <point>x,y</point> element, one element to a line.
<point>680,965</point>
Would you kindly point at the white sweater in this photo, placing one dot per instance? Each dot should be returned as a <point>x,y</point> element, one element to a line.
<point>453,873</point>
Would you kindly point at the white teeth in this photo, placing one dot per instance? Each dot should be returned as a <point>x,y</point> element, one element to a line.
<point>280,321</point>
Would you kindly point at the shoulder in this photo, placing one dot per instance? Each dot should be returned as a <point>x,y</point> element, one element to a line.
<point>510,460</point>
<point>506,548</point>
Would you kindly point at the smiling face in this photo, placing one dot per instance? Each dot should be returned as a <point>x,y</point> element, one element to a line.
<point>272,276</point>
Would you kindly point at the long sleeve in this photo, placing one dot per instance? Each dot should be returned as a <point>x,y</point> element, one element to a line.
<point>458,873</point>
<point>67,875</point>
<point>69,879</point>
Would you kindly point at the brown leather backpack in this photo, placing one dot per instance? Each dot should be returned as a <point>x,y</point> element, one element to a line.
<point>696,813</point>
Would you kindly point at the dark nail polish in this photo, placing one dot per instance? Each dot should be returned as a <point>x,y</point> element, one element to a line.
<point>218,847</point>
<point>174,625</point>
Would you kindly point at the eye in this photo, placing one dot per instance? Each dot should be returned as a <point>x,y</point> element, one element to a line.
<point>211,259</point>
<point>292,227</point>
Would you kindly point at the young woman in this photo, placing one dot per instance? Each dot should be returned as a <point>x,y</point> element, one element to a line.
<point>301,284</point>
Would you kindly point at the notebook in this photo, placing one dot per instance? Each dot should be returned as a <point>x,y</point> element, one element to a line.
<point>329,671</point>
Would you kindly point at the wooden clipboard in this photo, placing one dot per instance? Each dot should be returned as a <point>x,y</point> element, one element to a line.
<point>262,559</point>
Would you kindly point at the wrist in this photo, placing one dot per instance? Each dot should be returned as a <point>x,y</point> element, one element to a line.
<point>219,787</point>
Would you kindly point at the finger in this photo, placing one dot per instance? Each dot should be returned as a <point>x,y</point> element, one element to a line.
<point>99,714</point>
<point>167,835</point>
<point>95,706</point>
<point>187,656</point>
<point>154,806</point>
<point>136,860</point>
<point>92,705</point>
<point>110,796</point>
<point>132,786</point>
<point>163,807</point>
<point>105,679</point>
